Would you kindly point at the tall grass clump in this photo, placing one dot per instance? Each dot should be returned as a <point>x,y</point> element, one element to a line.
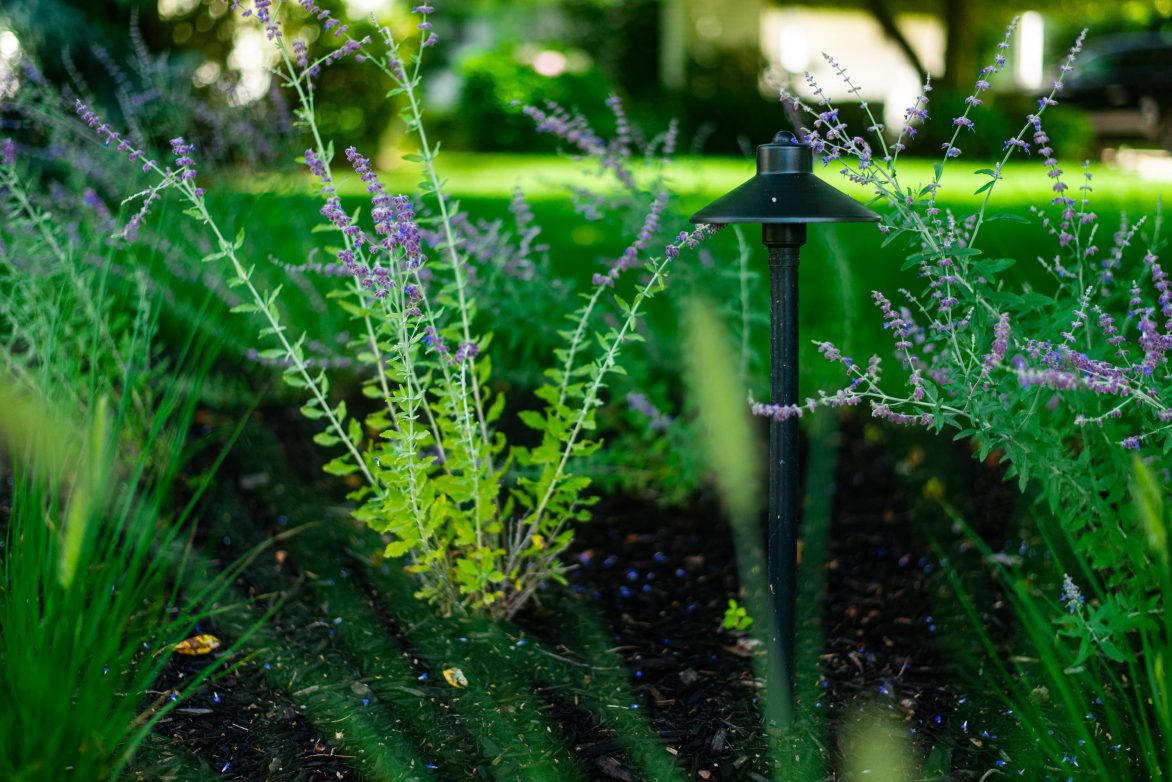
<point>91,598</point>
<point>1068,704</point>
<point>94,426</point>
<point>1066,383</point>
<point>481,520</point>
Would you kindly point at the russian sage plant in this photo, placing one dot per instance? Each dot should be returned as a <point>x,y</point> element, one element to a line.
<point>482,521</point>
<point>1063,382</point>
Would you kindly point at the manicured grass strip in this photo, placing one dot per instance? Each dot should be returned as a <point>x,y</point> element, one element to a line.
<point>496,174</point>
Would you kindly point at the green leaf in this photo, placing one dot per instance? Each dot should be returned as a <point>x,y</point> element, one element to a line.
<point>1013,218</point>
<point>340,466</point>
<point>326,438</point>
<point>892,236</point>
<point>533,419</point>
<point>990,266</point>
<point>398,548</point>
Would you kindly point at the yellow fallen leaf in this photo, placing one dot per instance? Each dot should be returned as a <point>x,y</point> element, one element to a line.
<point>197,645</point>
<point>455,677</point>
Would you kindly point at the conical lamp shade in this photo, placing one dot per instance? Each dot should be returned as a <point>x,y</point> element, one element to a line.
<point>785,190</point>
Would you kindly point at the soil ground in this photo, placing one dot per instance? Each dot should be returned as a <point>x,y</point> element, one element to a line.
<point>628,675</point>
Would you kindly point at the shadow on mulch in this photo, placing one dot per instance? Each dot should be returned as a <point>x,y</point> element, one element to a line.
<point>657,580</point>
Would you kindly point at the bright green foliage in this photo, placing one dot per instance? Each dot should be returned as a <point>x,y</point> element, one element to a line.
<point>736,617</point>
<point>481,522</point>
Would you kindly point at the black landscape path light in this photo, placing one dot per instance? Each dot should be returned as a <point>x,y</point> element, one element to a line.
<point>783,197</point>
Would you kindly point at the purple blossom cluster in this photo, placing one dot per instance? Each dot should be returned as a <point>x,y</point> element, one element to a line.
<point>1072,368</point>
<point>325,17</point>
<point>332,210</point>
<point>1163,288</point>
<point>375,279</point>
<point>589,204</point>
<point>776,412</point>
<point>575,130</point>
<point>394,216</point>
<point>110,136</point>
<point>658,421</point>
<point>886,413</point>
<point>571,128</point>
<point>623,135</point>
<point>301,50</point>
<point>435,342</point>
<point>182,152</point>
<point>8,152</point>
<point>666,141</point>
<point>1071,57</point>
<point>844,397</point>
<point>1061,368</point>
<point>630,256</point>
<point>900,326</point>
<point>91,199</point>
<point>689,240</point>
<point>301,53</point>
<point>465,352</point>
<point>996,354</point>
<point>527,232</point>
<point>264,13</point>
<point>1071,595</point>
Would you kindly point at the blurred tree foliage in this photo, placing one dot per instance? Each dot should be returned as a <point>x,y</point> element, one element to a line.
<point>487,55</point>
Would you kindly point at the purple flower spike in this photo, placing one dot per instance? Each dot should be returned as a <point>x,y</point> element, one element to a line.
<point>109,136</point>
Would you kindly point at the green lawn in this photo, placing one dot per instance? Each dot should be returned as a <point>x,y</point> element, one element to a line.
<point>842,264</point>
<point>494,175</point>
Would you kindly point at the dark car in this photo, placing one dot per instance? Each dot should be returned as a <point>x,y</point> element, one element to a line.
<point>1124,83</point>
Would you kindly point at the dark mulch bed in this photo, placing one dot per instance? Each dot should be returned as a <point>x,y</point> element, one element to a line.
<point>662,579</point>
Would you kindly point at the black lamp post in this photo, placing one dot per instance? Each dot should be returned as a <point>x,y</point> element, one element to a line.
<point>783,197</point>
